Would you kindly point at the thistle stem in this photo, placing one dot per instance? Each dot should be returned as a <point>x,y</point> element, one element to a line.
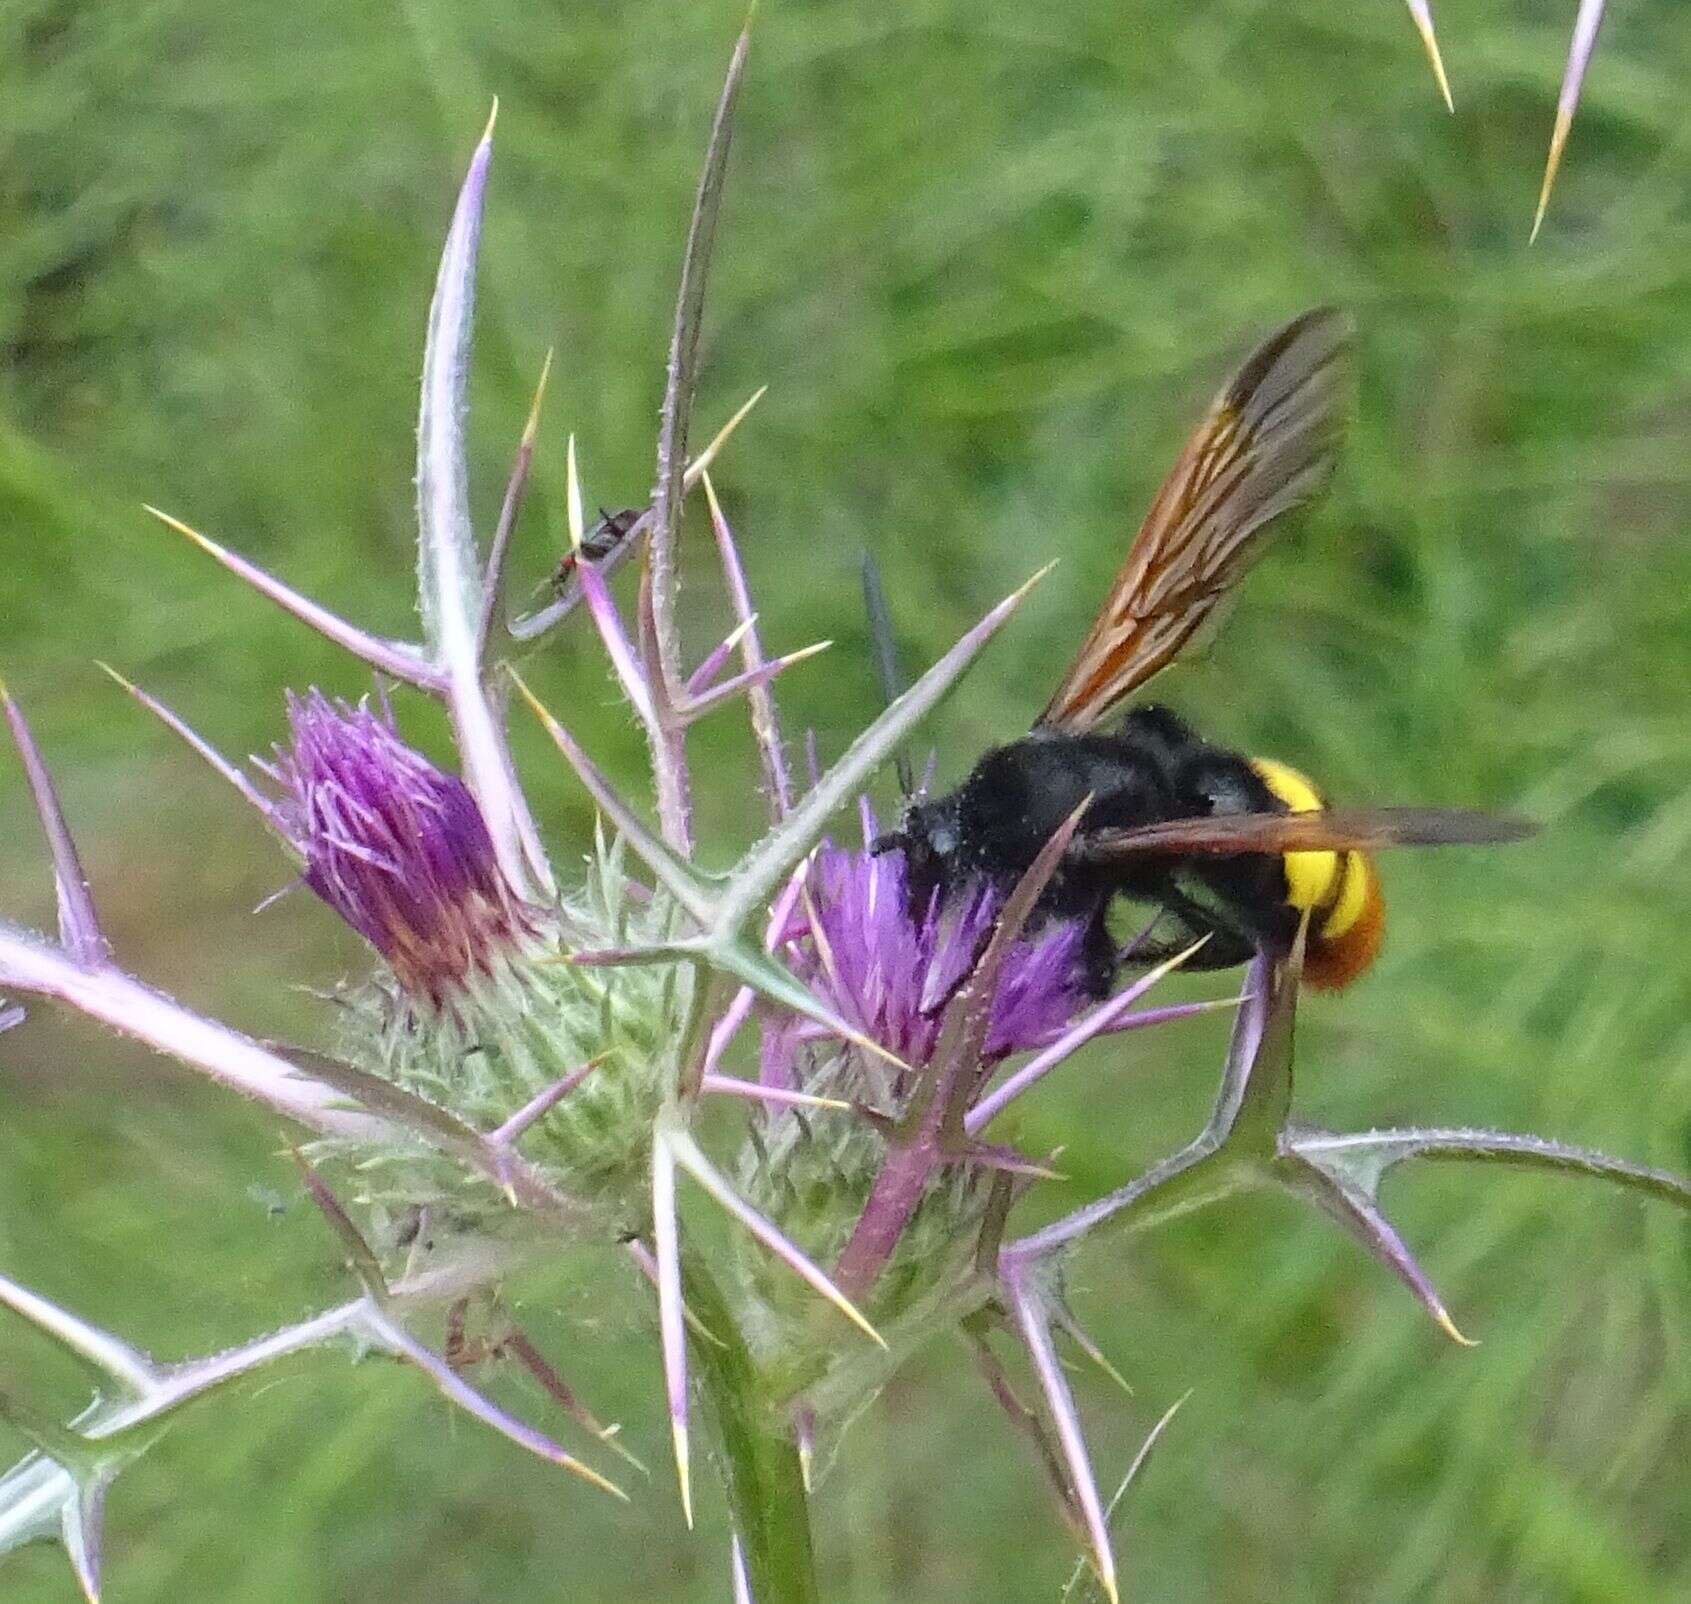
<point>762,1473</point>
<point>892,1203</point>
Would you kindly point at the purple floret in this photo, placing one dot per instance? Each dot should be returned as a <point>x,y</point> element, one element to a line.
<point>891,971</point>
<point>395,846</point>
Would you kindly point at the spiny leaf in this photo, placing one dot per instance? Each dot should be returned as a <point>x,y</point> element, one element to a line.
<point>680,374</point>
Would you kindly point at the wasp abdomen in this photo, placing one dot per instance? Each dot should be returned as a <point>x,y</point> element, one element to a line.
<point>1340,890</point>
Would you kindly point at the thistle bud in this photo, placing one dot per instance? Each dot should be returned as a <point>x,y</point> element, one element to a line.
<point>834,1180</point>
<point>397,848</point>
<point>478,1012</point>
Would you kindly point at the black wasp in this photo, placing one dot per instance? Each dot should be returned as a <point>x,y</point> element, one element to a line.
<point>1238,849</point>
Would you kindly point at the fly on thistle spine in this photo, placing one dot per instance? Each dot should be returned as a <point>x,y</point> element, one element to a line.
<point>598,544</point>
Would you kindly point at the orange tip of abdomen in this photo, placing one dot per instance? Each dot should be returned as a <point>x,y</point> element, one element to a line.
<point>1332,962</point>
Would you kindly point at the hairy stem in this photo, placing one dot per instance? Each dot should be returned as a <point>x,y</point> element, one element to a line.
<point>759,1456</point>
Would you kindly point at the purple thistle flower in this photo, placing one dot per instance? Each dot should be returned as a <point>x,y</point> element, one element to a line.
<point>395,846</point>
<point>891,971</point>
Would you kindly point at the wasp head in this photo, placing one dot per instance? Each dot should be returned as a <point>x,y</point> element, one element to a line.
<point>930,837</point>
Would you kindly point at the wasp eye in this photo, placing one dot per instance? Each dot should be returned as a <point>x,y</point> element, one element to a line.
<point>929,831</point>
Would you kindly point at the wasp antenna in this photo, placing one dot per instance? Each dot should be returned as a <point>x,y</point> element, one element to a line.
<point>886,659</point>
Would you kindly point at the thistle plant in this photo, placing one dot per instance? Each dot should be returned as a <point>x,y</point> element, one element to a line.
<point>525,1062</point>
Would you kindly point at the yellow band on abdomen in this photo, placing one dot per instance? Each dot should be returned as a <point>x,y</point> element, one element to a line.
<point>1352,897</point>
<point>1312,878</point>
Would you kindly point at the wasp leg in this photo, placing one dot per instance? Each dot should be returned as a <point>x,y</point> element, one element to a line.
<point>1099,957</point>
<point>1231,941</point>
<point>1185,923</point>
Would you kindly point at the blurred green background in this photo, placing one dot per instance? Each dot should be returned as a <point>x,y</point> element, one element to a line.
<point>990,257</point>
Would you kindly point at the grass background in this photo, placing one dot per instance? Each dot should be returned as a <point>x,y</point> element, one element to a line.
<point>991,257</point>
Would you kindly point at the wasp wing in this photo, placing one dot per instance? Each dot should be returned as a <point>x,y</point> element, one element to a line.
<point>1329,830</point>
<point>1266,447</point>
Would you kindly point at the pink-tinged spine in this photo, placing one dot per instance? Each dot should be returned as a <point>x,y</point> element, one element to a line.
<point>510,509</point>
<point>1422,14</point>
<point>630,675</point>
<point>397,658</point>
<point>449,572</point>
<point>135,1010</point>
<point>752,679</point>
<point>215,760</point>
<point>766,727</point>
<point>690,1157</point>
<point>737,1571</point>
<point>674,872</point>
<point>122,1367</point>
<point>540,1105</point>
<point>664,661</point>
<point>1587,22</point>
<point>672,1330</point>
<point>79,926</point>
<point>1112,1015</point>
<point>1027,1311</point>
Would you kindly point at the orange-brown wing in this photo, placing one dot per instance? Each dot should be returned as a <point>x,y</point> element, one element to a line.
<point>1331,830</point>
<point>1266,446</point>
